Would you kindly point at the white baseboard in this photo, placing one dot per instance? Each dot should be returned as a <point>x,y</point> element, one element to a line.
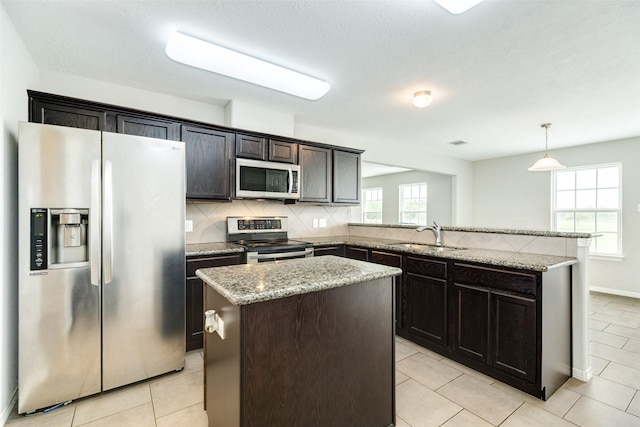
<point>615,292</point>
<point>6,412</point>
<point>581,375</point>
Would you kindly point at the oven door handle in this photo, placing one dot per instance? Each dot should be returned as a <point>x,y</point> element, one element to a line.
<point>255,255</point>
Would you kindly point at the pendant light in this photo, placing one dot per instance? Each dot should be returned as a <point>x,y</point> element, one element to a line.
<point>546,163</point>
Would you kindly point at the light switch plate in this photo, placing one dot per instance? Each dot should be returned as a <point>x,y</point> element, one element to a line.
<point>188,226</point>
<point>315,222</point>
<point>323,222</point>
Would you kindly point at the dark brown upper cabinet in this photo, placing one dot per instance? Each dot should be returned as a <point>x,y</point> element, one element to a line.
<point>346,177</point>
<point>330,174</point>
<point>51,113</point>
<point>284,152</point>
<point>251,147</point>
<point>209,155</point>
<point>315,165</point>
<point>152,128</point>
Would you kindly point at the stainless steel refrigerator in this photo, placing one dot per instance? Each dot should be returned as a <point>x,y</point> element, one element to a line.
<point>101,262</point>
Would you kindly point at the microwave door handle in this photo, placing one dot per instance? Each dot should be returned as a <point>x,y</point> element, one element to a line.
<point>290,189</point>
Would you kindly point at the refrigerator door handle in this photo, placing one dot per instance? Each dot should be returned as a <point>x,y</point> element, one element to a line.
<point>94,224</point>
<point>108,222</point>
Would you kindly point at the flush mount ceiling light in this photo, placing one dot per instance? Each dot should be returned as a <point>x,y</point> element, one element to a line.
<point>458,6</point>
<point>207,56</point>
<point>546,163</point>
<point>422,98</point>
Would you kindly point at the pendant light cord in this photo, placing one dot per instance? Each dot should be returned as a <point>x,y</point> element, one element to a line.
<point>546,136</point>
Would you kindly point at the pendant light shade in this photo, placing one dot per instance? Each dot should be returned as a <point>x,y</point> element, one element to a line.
<point>546,163</point>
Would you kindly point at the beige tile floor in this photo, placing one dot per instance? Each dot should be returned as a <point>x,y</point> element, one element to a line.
<point>430,390</point>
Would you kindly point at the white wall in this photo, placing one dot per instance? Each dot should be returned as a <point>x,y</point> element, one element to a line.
<point>17,73</point>
<point>124,96</point>
<point>438,194</point>
<point>508,196</point>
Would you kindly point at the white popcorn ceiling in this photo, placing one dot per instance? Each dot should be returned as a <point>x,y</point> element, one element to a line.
<point>496,72</point>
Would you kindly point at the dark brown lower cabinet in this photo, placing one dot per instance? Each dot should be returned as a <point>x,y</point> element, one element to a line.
<point>514,325</point>
<point>354,252</point>
<point>393,260</point>
<point>194,294</point>
<point>471,311</point>
<point>337,250</point>
<point>426,316</point>
<point>319,359</point>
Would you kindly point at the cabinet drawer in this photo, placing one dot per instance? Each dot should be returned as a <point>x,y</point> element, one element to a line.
<point>386,258</point>
<point>427,267</point>
<point>521,282</point>
<point>329,250</point>
<point>361,254</point>
<point>218,261</point>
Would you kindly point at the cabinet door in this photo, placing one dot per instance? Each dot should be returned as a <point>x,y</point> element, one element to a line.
<point>62,115</point>
<point>315,165</point>
<point>284,152</point>
<point>152,128</point>
<point>393,260</point>
<point>471,322</point>
<point>352,252</point>
<point>513,335</point>
<point>208,157</point>
<point>346,177</point>
<point>329,250</point>
<point>251,147</point>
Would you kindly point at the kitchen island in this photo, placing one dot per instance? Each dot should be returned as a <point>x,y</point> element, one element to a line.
<point>307,342</point>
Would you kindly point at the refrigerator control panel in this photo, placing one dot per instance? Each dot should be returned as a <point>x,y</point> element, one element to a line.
<point>38,239</point>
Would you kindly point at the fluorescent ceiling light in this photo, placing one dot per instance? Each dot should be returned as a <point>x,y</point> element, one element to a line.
<point>207,56</point>
<point>458,6</point>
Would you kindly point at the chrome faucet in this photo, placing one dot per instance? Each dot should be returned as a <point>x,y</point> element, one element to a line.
<point>436,231</point>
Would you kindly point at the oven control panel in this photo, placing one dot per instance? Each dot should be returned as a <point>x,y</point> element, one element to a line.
<point>259,224</point>
<point>237,224</point>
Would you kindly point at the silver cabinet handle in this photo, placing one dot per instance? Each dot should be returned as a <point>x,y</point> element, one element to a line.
<point>108,222</point>
<point>94,224</point>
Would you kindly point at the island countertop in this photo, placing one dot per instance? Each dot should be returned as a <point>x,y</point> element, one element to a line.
<point>252,283</point>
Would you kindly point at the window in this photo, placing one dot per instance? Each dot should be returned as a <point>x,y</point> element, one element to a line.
<point>413,203</point>
<point>372,206</point>
<point>588,199</point>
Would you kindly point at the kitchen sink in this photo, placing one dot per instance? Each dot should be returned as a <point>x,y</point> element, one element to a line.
<point>425,247</point>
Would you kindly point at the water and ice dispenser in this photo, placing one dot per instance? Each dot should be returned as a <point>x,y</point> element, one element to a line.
<point>58,238</point>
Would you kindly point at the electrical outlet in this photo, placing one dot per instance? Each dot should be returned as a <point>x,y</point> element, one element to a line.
<point>315,222</point>
<point>323,222</point>
<point>188,226</point>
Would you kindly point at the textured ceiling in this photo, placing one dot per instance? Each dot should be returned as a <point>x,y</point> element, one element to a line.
<point>496,72</point>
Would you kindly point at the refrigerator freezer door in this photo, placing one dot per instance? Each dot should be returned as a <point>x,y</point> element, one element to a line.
<point>59,308</point>
<point>143,318</point>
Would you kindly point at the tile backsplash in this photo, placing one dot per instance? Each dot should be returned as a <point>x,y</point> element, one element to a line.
<point>210,219</point>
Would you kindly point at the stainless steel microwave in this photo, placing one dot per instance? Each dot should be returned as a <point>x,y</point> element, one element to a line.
<point>267,180</point>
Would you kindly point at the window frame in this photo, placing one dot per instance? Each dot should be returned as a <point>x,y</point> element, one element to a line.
<point>554,209</point>
<point>401,200</point>
<point>364,204</point>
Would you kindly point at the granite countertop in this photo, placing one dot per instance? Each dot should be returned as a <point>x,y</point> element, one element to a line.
<point>195,249</point>
<point>252,283</point>
<point>520,260</point>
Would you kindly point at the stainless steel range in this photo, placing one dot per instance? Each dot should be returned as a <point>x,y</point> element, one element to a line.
<point>266,238</point>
